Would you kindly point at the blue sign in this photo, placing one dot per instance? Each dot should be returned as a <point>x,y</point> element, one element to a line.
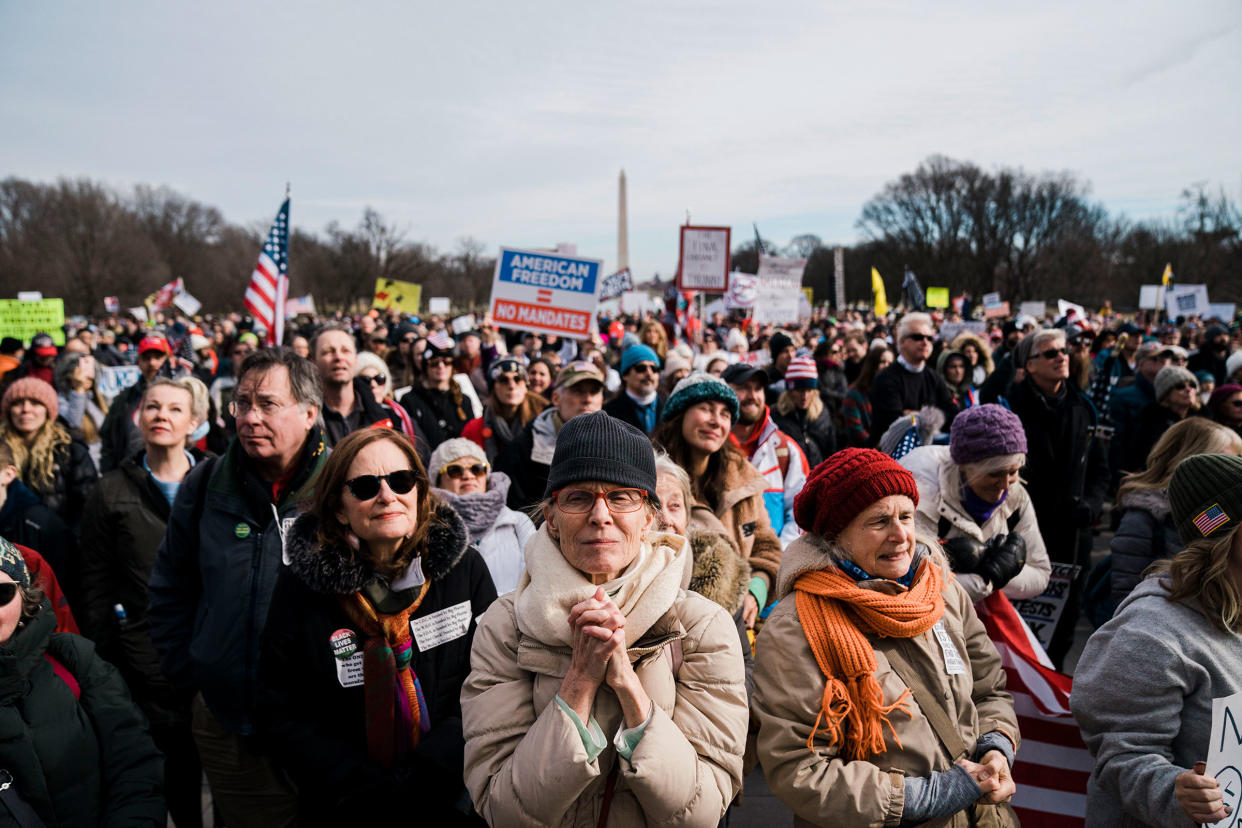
<point>549,271</point>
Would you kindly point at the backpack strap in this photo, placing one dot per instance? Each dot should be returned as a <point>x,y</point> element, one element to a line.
<point>929,704</point>
<point>1014,520</point>
<point>943,528</point>
<point>62,672</point>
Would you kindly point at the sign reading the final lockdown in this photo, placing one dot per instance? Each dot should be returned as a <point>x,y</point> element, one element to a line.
<point>545,292</point>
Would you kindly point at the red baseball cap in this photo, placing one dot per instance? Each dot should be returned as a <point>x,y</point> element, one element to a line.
<point>42,345</point>
<point>152,343</point>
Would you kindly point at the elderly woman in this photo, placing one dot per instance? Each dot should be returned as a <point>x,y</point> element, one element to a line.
<point>879,697</point>
<point>601,693</point>
<point>75,749</point>
<point>1145,685</point>
<point>54,464</point>
<point>368,642</point>
<point>971,499</point>
<point>462,477</point>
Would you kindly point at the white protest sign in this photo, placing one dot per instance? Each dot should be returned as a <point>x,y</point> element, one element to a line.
<point>29,296</point>
<point>299,304</point>
<point>463,323</point>
<point>1186,300</point>
<point>991,300</point>
<point>139,313</point>
<point>1149,297</point>
<point>1064,308</point>
<point>741,293</point>
<point>758,358</point>
<point>1224,311</point>
<point>1035,309</point>
<point>438,304</point>
<point>112,304</point>
<point>704,259</point>
<point>1042,612</point>
<point>634,302</point>
<point>112,380</point>
<point>950,330</point>
<point>778,290</point>
<point>187,303</point>
<point>546,293</point>
<point>1224,756</point>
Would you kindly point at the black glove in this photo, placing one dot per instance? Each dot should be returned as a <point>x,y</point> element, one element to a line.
<point>963,552</point>
<point>1083,516</point>
<point>1003,557</point>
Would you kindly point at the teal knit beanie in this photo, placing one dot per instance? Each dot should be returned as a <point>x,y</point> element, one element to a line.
<point>697,388</point>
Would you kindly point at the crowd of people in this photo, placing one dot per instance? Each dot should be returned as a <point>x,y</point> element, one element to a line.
<point>498,577</point>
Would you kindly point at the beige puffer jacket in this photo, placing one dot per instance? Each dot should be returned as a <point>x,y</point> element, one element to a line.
<point>525,763</point>
<point>818,785</point>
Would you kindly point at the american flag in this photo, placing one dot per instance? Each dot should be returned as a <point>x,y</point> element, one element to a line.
<point>1053,764</point>
<point>269,283</point>
<point>1210,519</point>
<point>164,296</point>
<point>441,340</point>
<point>909,441</point>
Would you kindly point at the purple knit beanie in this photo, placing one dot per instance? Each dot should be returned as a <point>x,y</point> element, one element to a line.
<point>985,431</point>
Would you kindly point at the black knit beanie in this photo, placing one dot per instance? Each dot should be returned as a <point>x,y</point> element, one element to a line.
<point>1205,495</point>
<point>599,448</point>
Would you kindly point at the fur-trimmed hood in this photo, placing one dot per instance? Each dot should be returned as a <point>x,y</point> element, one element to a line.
<point>720,574</point>
<point>336,570</point>
<point>1155,501</point>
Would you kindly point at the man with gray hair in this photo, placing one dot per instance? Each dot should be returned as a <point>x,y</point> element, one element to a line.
<point>909,384</point>
<point>1066,471</point>
<point>213,576</point>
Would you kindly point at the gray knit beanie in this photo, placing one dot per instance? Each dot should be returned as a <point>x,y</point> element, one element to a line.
<point>599,448</point>
<point>450,450</point>
<point>1205,495</point>
<point>1171,376</point>
<point>697,388</point>
<point>985,431</point>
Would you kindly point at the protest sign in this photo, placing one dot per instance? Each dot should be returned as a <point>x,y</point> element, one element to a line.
<point>616,284</point>
<point>991,300</point>
<point>758,358</point>
<point>438,304</point>
<point>139,313</point>
<point>1186,300</point>
<point>1064,308</point>
<point>187,303</point>
<point>22,320</point>
<point>996,311</point>
<point>1149,297</point>
<point>937,297</point>
<point>29,296</point>
<point>112,304</point>
<point>112,380</point>
<point>533,291</point>
<point>1224,311</point>
<point>393,294</point>
<point>778,290</point>
<point>1035,309</point>
<point>635,302</point>
<point>741,293</point>
<point>463,323</point>
<point>1042,612</point>
<point>1224,755</point>
<point>704,258</point>
<point>300,304</point>
<point>950,330</point>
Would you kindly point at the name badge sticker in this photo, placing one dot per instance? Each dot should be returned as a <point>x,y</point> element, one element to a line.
<point>953,664</point>
<point>448,624</point>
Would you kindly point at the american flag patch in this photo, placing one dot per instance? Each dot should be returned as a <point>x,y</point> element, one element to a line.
<point>1210,519</point>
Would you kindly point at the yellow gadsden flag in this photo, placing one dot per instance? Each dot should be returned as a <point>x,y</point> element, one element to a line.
<point>877,291</point>
<point>1167,278</point>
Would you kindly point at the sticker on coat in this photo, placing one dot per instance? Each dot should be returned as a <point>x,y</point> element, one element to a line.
<point>953,664</point>
<point>344,644</point>
<point>440,627</point>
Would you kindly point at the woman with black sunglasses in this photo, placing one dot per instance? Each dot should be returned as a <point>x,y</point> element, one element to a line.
<point>601,693</point>
<point>368,641</point>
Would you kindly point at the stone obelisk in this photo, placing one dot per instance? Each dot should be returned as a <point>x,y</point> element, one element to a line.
<point>623,238</point>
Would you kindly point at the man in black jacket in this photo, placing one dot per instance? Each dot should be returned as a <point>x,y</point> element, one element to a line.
<point>638,402</point>
<point>910,383</point>
<point>1066,470</point>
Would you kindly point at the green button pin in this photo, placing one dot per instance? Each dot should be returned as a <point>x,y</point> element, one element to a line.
<point>242,530</point>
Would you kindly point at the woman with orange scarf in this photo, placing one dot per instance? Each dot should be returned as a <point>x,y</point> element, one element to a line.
<point>879,697</point>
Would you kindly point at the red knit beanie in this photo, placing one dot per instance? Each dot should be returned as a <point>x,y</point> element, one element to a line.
<point>845,484</point>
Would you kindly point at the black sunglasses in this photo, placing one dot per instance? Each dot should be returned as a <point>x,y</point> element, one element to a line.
<point>378,379</point>
<point>918,337</point>
<point>1053,353</point>
<point>368,485</point>
<point>8,591</point>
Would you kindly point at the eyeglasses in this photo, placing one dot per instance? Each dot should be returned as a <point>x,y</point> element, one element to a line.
<point>1182,386</point>
<point>1053,353</point>
<point>368,485</point>
<point>240,407</point>
<point>644,368</point>
<point>439,362</point>
<point>377,379</point>
<point>379,340</point>
<point>456,471</point>
<point>8,591</point>
<point>578,501</point>
<point>918,337</point>
<point>510,379</point>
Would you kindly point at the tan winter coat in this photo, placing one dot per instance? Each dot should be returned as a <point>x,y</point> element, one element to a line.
<point>745,520</point>
<point>818,785</point>
<point>525,763</point>
<point>940,495</point>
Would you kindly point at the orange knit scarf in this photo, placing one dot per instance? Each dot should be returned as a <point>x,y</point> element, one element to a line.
<point>835,612</point>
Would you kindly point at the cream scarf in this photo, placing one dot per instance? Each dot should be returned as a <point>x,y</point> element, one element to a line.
<point>550,587</point>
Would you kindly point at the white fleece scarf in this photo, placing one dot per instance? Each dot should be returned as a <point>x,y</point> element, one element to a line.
<point>550,587</point>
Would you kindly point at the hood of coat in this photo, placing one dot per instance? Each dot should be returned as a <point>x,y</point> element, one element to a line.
<point>334,569</point>
<point>719,574</point>
<point>1155,501</point>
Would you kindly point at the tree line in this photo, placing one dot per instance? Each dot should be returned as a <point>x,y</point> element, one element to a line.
<point>1027,235</point>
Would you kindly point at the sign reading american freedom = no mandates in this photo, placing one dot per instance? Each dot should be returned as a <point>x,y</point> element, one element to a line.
<point>545,292</point>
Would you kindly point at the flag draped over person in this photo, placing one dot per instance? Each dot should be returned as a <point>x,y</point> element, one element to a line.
<point>269,283</point>
<point>877,291</point>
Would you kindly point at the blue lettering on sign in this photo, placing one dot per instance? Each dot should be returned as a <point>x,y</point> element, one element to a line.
<point>547,271</point>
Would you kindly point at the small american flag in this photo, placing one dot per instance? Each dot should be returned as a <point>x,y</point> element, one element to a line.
<point>441,340</point>
<point>909,441</point>
<point>269,283</point>
<point>1211,519</point>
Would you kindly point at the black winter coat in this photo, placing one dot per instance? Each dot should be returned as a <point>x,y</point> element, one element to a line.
<point>625,409</point>
<point>437,413</point>
<point>25,520</point>
<point>316,727</point>
<point>122,528</point>
<point>896,389</point>
<point>73,477</point>
<point>818,439</point>
<point>1146,534</point>
<point>527,478</point>
<point>78,762</point>
<point>1152,422</point>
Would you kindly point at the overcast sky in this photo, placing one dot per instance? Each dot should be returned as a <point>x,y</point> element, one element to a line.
<point>509,122</point>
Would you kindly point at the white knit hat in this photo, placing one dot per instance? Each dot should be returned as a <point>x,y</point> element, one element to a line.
<point>451,450</point>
